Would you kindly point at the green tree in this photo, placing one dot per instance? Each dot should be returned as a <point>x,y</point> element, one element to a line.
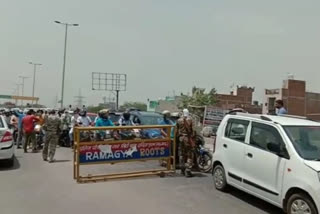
<point>138,105</point>
<point>95,109</point>
<point>199,97</point>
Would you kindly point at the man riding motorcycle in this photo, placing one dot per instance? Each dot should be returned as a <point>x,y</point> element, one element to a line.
<point>103,121</point>
<point>83,120</point>
<point>125,119</point>
<point>64,139</point>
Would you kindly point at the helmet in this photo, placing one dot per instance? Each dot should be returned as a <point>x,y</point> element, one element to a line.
<point>104,113</point>
<point>185,112</point>
<point>166,113</point>
<point>126,115</point>
<point>82,113</point>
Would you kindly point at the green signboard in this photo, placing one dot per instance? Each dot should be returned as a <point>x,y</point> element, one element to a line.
<point>5,97</point>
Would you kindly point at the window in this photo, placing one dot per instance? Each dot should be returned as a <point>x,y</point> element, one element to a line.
<point>306,140</point>
<point>263,136</point>
<point>237,129</point>
<point>1,123</point>
<point>136,120</point>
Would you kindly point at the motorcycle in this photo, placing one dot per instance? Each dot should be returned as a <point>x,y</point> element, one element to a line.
<point>39,136</point>
<point>64,139</point>
<point>203,156</point>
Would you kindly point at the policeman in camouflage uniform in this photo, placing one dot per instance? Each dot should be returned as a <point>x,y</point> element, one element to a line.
<point>186,137</point>
<point>52,127</point>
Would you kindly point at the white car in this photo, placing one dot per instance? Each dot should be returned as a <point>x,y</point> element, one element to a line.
<point>275,158</point>
<point>6,143</point>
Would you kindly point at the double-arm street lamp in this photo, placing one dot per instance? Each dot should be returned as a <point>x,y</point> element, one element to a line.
<point>64,56</point>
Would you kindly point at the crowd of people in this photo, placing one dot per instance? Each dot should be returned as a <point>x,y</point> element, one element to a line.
<point>35,130</point>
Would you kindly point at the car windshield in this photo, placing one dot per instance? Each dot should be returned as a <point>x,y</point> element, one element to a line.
<point>150,120</point>
<point>306,140</point>
<point>92,117</point>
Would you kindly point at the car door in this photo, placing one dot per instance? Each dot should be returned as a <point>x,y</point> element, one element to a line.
<point>233,149</point>
<point>263,168</point>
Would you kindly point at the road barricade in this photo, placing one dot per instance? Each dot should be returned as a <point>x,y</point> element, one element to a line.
<point>112,145</point>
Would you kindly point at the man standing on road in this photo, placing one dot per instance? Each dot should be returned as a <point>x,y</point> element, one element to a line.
<point>14,126</point>
<point>28,127</point>
<point>186,135</point>
<point>20,116</point>
<point>52,128</point>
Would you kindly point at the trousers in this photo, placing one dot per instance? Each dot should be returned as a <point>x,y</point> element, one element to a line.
<point>30,138</point>
<point>20,136</point>
<point>186,153</point>
<point>50,145</point>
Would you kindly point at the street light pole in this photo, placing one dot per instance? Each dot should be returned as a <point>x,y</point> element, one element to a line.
<point>23,78</point>
<point>64,57</point>
<point>34,76</point>
<point>18,91</point>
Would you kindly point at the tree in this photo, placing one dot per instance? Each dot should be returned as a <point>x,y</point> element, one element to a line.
<point>197,101</point>
<point>95,109</point>
<point>139,105</point>
<point>199,97</point>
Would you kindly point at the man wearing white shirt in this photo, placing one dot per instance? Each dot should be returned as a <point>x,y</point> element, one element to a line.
<point>83,120</point>
<point>74,123</point>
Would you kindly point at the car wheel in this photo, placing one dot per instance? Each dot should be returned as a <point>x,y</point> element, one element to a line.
<point>219,178</point>
<point>301,203</point>
<point>11,161</point>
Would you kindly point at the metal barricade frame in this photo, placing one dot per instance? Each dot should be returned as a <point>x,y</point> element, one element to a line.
<point>170,158</point>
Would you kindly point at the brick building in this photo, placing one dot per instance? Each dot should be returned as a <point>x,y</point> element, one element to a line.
<point>296,100</point>
<point>241,97</point>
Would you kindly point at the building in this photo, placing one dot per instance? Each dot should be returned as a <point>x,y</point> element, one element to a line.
<point>240,97</point>
<point>296,99</point>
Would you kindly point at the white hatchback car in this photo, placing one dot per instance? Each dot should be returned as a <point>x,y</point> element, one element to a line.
<point>275,158</point>
<point>6,143</point>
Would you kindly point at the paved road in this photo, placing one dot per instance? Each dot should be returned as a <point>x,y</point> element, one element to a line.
<point>37,187</point>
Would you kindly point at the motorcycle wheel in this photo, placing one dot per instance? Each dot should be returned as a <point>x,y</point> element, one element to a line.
<point>204,162</point>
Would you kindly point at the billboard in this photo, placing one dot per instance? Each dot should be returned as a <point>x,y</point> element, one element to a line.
<point>213,116</point>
